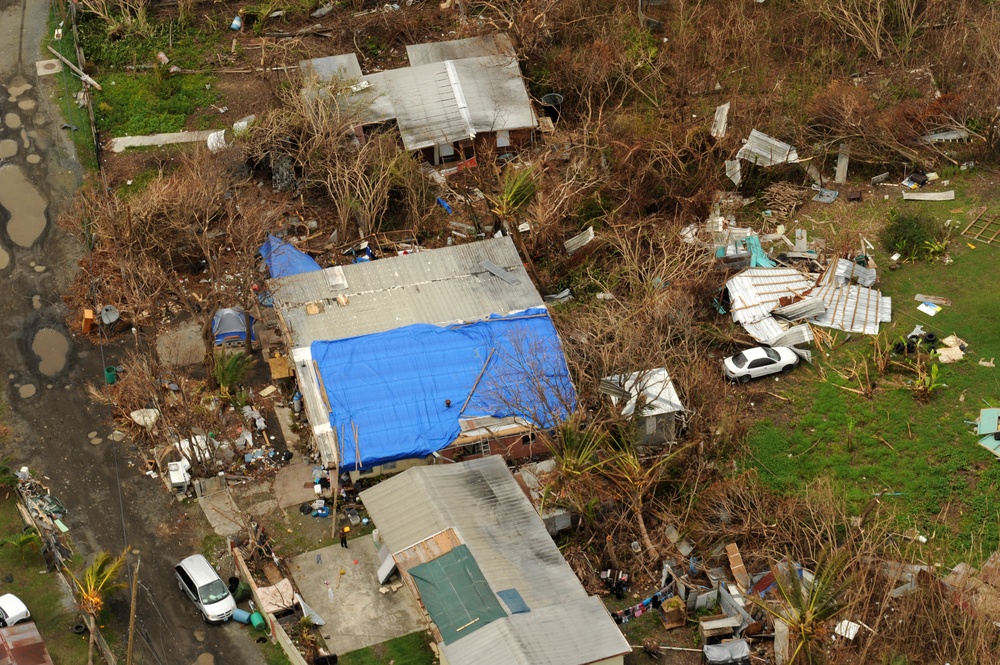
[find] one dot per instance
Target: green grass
(412, 649)
(41, 592)
(149, 103)
(149, 99)
(66, 85)
(273, 653)
(946, 484)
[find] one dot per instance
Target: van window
(185, 578)
(213, 592)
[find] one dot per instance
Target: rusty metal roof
(22, 645)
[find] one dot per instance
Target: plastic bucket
(552, 104)
(257, 621)
(241, 616)
(110, 375)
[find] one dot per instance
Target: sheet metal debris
(719, 124)
(764, 150)
(929, 196)
(577, 242)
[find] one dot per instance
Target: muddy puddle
(12, 120)
(8, 148)
(15, 90)
(27, 390)
(51, 347)
(25, 205)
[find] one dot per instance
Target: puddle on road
(205, 659)
(8, 148)
(4, 258)
(25, 205)
(27, 390)
(33, 159)
(26, 104)
(51, 347)
(16, 90)
(12, 120)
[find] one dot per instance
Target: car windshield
(213, 592)
(740, 360)
(772, 354)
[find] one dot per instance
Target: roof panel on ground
(457, 49)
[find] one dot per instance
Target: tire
(787, 368)
(930, 338)
(745, 378)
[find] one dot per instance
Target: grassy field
(921, 455)
(412, 649)
(42, 592)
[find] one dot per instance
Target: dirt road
(112, 504)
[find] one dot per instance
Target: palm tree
(99, 580)
(637, 479)
(26, 540)
(806, 606)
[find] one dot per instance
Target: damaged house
(468, 544)
(439, 354)
(456, 99)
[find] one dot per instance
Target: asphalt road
(112, 505)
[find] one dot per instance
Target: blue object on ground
(444, 204)
(241, 616)
(284, 260)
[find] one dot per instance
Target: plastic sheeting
(736, 652)
(393, 387)
(283, 259)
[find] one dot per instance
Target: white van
(198, 579)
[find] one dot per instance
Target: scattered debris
(763, 150)
(929, 308)
(578, 242)
(719, 125)
(937, 300)
(843, 159)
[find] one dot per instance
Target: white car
(12, 610)
(197, 578)
(759, 361)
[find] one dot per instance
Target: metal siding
(438, 286)
(457, 49)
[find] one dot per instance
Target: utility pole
(131, 614)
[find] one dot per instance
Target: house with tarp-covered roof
(440, 354)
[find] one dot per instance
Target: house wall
(617, 660)
(512, 447)
(391, 468)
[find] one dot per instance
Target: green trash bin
(110, 374)
(257, 621)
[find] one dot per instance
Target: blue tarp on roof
(283, 259)
(393, 385)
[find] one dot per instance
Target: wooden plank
(937, 300)
(995, 234)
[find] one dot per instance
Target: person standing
(343, 536)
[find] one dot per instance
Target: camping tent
(229, 325)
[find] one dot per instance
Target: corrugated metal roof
(764, 330)
(806, 308)
(754, 292)
(451, 92)
(497, 44)
(764, 150)
(852, 308)
(563, 635)
(659, 394)
(440, 286)
(847, 270)
(483, 503)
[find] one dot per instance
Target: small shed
(650, 396)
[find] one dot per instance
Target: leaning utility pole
(131, 614)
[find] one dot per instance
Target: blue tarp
(283, 259)
(393, 385)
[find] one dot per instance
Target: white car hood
(13, 609)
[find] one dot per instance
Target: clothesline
(653, 602)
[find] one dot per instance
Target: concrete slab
(181, 346)
(293, 485)
(121, 143)
(356, 614)
(222, 513)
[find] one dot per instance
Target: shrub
(911, 235)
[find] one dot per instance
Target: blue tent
(229, 326)
(283, 259)
(393, 386)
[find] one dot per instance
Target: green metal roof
(456, 595)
